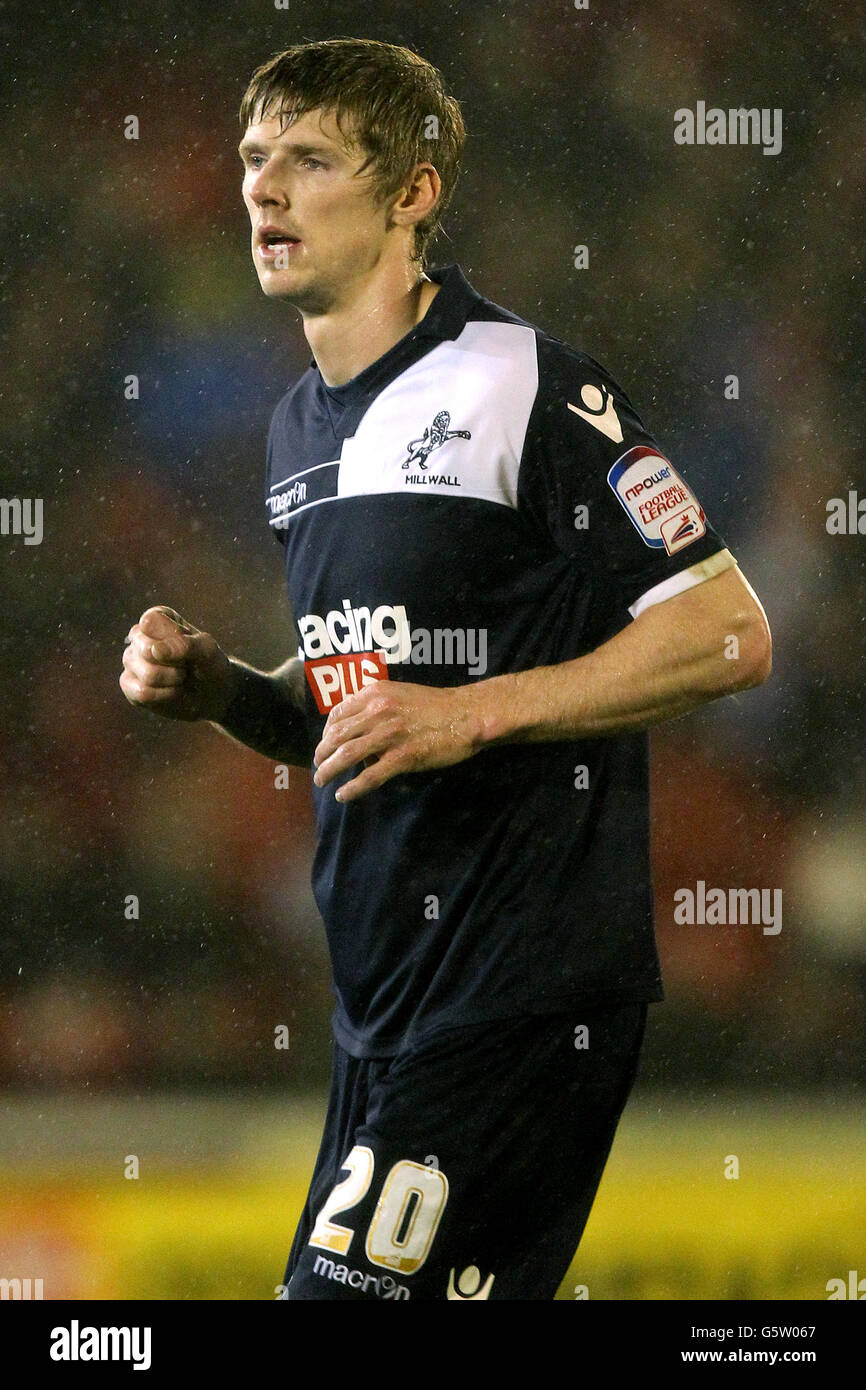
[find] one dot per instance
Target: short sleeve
(594, 484)
(272, 494)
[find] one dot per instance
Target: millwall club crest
(438, 433)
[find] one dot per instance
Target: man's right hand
(173, 669)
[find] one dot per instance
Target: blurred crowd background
(132, 257)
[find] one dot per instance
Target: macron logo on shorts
(468, 1287)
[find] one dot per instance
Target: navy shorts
(465, 1168)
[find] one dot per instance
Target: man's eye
(310, 160)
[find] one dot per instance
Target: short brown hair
(388, 92)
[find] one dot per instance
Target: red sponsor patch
(332, 678)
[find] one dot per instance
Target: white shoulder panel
(454, 423)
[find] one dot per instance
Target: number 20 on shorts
(406, 1218)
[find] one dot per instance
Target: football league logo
(682, 529)
(658, 503)
(419, 450)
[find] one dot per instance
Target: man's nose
(263, 189)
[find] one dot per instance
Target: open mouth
(272, 243)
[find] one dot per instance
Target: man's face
(299, 186)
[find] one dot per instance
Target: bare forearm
(641, 677)
(707, 641)
(265, 712)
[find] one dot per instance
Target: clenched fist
(173, 669)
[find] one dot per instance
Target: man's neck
(347, 340)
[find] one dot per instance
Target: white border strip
(686, 579)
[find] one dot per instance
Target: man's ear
(418, 197)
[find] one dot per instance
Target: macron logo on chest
(452, 424)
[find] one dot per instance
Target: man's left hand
(395, 727)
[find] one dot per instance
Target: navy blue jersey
(482, 499)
